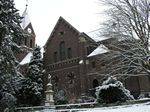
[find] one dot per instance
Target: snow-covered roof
(26, 59)
(99, 50)
(26, 20)
(95, 35)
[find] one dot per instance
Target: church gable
(66, 40)
(61, 28)
(63, 40)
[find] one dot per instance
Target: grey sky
(82, 14)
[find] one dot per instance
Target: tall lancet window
(25, 41)
(62, 50)
(31, 43)
(69, 52)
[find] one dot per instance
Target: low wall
(35, 109)
(67, 107)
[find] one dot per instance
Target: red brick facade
(65, 58)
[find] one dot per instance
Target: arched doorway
(95, 84)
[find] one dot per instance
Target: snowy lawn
(126, 108)
(142, 107)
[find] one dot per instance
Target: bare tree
(129, 23)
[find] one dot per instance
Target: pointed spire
(26, 20)
(26, 23)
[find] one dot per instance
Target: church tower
(29, 41)
(27, 26)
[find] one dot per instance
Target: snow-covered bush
(112, 91)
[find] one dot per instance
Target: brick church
(73, 59)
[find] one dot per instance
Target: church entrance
(95, 84)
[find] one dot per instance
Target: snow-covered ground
(125, 108)
(142, 107)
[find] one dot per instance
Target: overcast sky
(82, 14)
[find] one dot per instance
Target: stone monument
(49, 93)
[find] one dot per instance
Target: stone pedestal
(49, 94)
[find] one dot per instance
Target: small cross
(26, 3)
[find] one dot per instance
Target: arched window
(62, 50)
(31, 43)
(55, 56)
(93, 64)
(95, 84)
(25, 41)
(69, 52)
